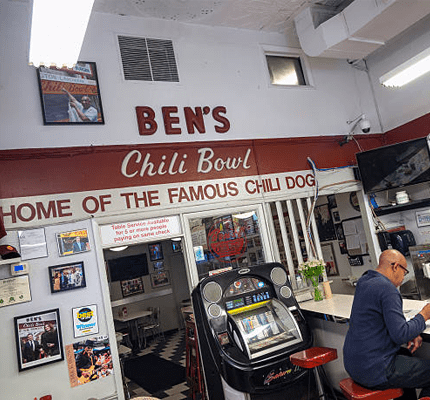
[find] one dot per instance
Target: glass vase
(317, 292)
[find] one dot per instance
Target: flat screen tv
(128, 267)
(394, 166)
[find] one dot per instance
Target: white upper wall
(217, 66)
(401, 105)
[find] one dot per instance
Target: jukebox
(248, 324)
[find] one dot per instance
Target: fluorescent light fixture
(245, 215)
(408, 71)
(119, 248)
(57, 31)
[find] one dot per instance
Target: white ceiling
(359, 28)
(261, 15)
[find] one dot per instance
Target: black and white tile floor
(171, 349)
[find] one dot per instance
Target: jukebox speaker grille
(285, 292)
(214, 310)
(212, 292)
(278, 276)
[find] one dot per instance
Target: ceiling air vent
(146, 59)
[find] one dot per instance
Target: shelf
(385, 210)
(10, 261)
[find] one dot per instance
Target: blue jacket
(377, 329)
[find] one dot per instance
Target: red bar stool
(353, 391)
(316, 357)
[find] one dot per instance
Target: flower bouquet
(312, 269)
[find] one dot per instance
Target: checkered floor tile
(172, 348)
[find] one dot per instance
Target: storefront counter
(329, 321)
(338, 309)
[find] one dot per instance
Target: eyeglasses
(402, 267)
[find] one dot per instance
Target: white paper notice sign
(147, 229)
(85, 320)
(32, 243)
(14, 291)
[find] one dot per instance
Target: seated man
(373, 355)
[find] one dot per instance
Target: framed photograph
(339, 232)
(325, 224)
(355, 261)
(336, 216)
(160, 278)
(38, 339)
(70, 95)
(331, 198)
(73, 242)
(67, 277)
(158, 266)
(176, 246)
(131, 287)
(155, 252)
(330, 261)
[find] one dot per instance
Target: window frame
(278, 51)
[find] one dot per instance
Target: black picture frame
(155, 252)
(56, 85)
(325, 223)
(158, 266)
(48, 344)
(66, 277)
(160, 278)
(176, 246)
(131, 287)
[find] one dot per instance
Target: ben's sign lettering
(195, 119)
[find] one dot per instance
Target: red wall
(32, 172)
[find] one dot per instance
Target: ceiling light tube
(57, 31)
(119, 248)
(408, 71)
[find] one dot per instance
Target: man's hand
(425, 312)
(415, 344)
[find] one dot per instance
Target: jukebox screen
(263, 330)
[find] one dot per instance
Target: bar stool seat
(315, 358)
(353, 391)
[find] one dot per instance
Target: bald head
(392, 264)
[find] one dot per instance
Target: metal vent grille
(145, 59)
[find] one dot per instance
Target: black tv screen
(128, 267)
(394, 166)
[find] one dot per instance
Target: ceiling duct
(359, 29)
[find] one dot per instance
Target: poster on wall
(73, 242)
(89, 360)
(85, 320)
(38, 339)
(330, 261)
(70, 95)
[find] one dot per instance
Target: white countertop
(132, 315)
(340, 306)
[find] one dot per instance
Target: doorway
(142, 277)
